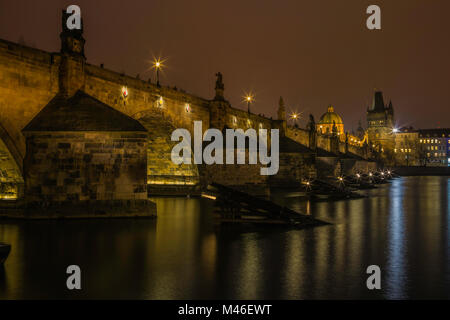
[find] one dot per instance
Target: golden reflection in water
(294, 258)
(250, 269)
(402, 227)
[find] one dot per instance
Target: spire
(378, 102)
(281, 110)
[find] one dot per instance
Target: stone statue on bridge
(311, 126)
(219, 87)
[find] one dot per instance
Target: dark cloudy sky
(313, 53)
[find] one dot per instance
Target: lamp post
(249, 99)
(157, 64)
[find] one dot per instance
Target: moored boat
(4, 252)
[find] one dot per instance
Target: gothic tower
(380, 123)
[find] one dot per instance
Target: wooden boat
(4, 252)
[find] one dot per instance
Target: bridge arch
(161, 171)
(11, 162)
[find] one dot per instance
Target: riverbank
(422, 171)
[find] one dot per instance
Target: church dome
(330, 116)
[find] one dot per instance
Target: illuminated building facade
(435, 146)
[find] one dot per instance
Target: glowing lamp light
(340, 179)
(358, 175)
(295, 116)
(389, 172)
(382, 173)
(370, 174)
(160, 102)
(395, 130)
(124, 92)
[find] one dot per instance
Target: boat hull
(4, 252)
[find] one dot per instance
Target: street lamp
(157, 64)
(249, 99)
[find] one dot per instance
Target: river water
(403, 227)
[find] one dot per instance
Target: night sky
(313, 53)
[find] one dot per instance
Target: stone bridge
(30, 78)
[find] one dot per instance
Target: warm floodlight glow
(395, 130)
(124, 92)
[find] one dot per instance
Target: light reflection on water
(402, 227)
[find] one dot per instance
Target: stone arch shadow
(161, 171)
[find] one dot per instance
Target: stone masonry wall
(85, 166)
(294, 168)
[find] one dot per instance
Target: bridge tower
(380, 123)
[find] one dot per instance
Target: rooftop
(81, 112)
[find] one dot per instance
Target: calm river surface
(403, 227)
